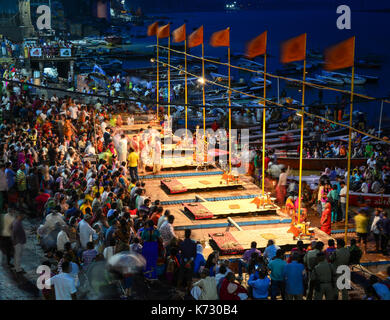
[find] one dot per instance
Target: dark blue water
(372, 31)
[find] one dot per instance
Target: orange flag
(179, 35)
(341, 55)
(294, 49)
(257, 47)
(163, 32)
(221, 38)
(152, 29)
(196, 38)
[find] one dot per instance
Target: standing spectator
(270, 251)
(88, 255)
(310, 260)
(343, 198)
(341, 257)
(6, 245)
(361, 225)
(375, 228)
(326, 219)
(294, 278)
(63, 283)
(323, 276)
(260, 285)
(244, 262)
(277, 275)
(188, 254)
(150, 236)
(18, 241)
(167, 231)
(133, 160)
(87, 233)
(385, 233)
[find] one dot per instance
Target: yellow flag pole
(185, 77)
(158, 80)
(350, 143)
(302, 130)
(264, 123)
(204, 100)
(230, 115)
(169, 80)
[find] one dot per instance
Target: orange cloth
(196, 38)
(152, 29)
(163, 32)
(294, 49)
(341, 55)
(220, 38)
(179, 35)
(257, 47)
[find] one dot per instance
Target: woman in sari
(326, 219)
(150, 236)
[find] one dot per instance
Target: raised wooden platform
(211, 209)
(236, 242)
(198, 183)
(182, 163)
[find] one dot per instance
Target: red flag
(196, 38)
(341, 55)
(163, 32)
(221, 38)
(179, 35)
(294, 49)
(257, 47)
(152, 29)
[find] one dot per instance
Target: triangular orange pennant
(257, 47)
(179, 35)
(163, 32)
(196, 38)
(340, 56)
(220, 38)
(294, 49)
(152, 29)
(294, 230)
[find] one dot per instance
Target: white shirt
(73, 112)
(62, 238)
(371, 163)
(343, 192)
(64, 285)
(86, 233)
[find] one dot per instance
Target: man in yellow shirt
(132, 162)
(361, 225)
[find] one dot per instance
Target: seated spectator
(205, 288)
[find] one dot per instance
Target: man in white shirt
(63, 283)
(371, 162)
(73, 112)
(62, 238)
(86, 231)
(343, 198)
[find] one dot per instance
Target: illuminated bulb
(201, 80)
(152, 60)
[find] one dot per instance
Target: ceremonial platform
(236, 242)
(218, 209)
(198, 183)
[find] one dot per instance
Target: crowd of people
(80, 180)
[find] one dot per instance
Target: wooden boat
(345, 77)
(259, 81)
(320, 164)
(331, 80)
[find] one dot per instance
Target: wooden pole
(230, 115)
(158, 80)
(349, 145)
(302, 131)
(169, 81)
(204, 100)
(186, 88)
(264, 124)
